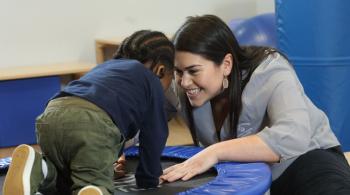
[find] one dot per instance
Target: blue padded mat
(233, 178)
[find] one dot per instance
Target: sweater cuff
(146, 182)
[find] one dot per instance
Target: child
(246, 104)
(84, 127)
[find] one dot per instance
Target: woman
(246, 104)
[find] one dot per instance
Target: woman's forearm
(246, 149)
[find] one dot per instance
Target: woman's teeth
(193, 91)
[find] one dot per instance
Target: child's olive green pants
(81, 141)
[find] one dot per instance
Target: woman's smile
(193, 93)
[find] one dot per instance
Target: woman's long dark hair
(211, 38)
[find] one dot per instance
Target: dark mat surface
(127, 185)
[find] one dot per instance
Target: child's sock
(44, 168)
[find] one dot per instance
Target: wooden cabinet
(24, 92)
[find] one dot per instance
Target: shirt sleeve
(288, 133)
(152, 139)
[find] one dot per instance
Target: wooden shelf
(21, 72)
(106, 48)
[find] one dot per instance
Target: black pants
(316, 172)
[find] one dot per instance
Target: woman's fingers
(188, 169)
(181, 171)
(161, 181)
(174, 175)
(193, 166)
(169, 169)
(171, 173)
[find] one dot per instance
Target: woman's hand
(119, 167)
(195, 165)
(246, 149)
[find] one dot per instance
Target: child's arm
(152, 139)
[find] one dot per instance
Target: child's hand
(197, 164)
(119, 167)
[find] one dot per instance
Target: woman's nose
(186, 81)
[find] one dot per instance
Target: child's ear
(160, 70)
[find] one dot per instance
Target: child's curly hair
(148, 46)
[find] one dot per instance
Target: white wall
(52, 31)
(265, 6)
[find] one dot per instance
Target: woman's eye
(192, 71)
(178, 72)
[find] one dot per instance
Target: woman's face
(201, 79)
